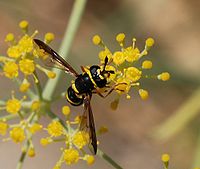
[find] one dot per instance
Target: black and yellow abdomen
(82, 85)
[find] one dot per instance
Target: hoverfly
(81, 90)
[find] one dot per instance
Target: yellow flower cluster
(22, 56)
(74, 140)
(26, 127)
(129, 65)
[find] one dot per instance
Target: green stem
(23, 155)
(38, 87)
(187, 112)
(108, 159)
(9, 117)
(71, 30)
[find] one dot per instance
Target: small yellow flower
(118, 58)
(3, 128)
(17, 134)
(149, 42)
(71, 156)
(23, 24)
(165, 158)
(24, 86)
(10, 37)
(55, 129)
(147, 64)
(120, 37)
(90, 159)
(143, 94)
(35, 128)
(80, 139)
(13, 106)
(133, 74)
(104, 53)
(26, 44)
(14, 52)
(96, 39)
(49, 37)
(45, 141)
(35, 106)
(27, 66)
(31, 152)
(51, 74)
(164, 76)
(66, 110)
(10, 69)
(131, 54)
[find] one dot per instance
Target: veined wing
(87, 123)
(55, 58)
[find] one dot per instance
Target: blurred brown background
(175, 27)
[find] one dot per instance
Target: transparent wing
(87, 123)
(55, 59)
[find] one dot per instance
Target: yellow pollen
(25, 44)
(71, 156)
(13, 106)
(24, 86)
(143, 94)
(14, 52)
(49, 37)
(120, 37)
(23, 24)
(118, 58)
(35, 128)
(10, 37)
(80, 139)
(31, 152)
(51, 74)
(10, 69)
(165, 158)
(35, 106)
(55, 129)
(66, 110)
(164, 76)
(17, 135)
(96, 39)
(27, 66)
(45, 141)
(133, 74)
(147, 64)
(149, 42)
(131, 54)
(90, 159)
(3, 128)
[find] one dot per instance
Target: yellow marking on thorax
(92, 80)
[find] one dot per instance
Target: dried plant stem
(71, 30)
(187, 112)
(196, 162)
(108, 159)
